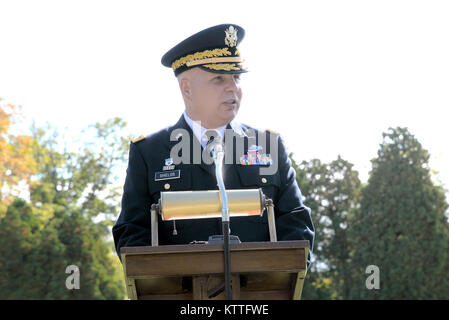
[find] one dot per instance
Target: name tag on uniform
(175, 174)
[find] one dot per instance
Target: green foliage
(29, 249)
(317, 287)
(66, 221)
(331, 191)
(401, 226)
(16, 162)
(92, 255)
(398, 222)
(82, 177)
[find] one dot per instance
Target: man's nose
(232, 85)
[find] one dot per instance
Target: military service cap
(213, 49)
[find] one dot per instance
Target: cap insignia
(231, 36)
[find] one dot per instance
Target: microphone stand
(218, 155)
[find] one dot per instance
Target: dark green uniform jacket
(146, 157)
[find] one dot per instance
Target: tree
(83, 177)
(331, 191)
(79, 186)
(16, 161)
(66, 221)
(100, 276)
(401, 226)
(19, 235)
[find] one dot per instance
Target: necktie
(209, 136)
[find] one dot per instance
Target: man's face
(213, 98)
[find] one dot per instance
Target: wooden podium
(260, 270)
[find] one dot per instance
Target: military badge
(231, 36)
(255, 158)
(168, 165)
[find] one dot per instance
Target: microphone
(216, 148)
(217, 153)
(214, 143)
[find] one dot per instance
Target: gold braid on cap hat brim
(225, 66)
(206, 57)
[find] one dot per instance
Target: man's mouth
(230, 103)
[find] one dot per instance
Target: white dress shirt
(199, 130)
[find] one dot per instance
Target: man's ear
(185, 86)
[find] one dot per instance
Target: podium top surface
(214, 247)
(267, 270)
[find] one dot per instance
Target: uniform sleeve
(293, 218)
(132, 227)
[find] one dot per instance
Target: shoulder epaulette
(138, 139)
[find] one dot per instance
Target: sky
(329, 76)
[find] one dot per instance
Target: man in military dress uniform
(208, 67)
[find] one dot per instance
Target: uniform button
(167, 186)
(264, 180)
